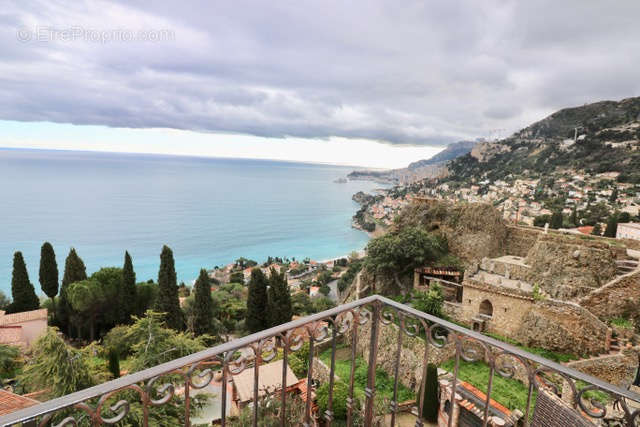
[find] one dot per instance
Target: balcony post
(370, 391)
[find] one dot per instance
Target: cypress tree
(612, 226)
(280, 307)
(74, 271)
(431, 404)
(168, 301)
(49, 272)
(556, 220)
(24, 295)
(257, 303)
(574, 216)
(129, 291)
(203, 321)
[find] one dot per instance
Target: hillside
(594, 138)
(433, 167)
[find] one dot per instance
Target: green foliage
(114, 364)
(321, 303)
(56, 366)
(257, 302)
(146, 296)
(129, 291)
(507, 391)
(4, 301)
(429, 302)
(396, 254)
(347, 278)
(597, 230)
(119, 341)
(236, 277)
(243, 263)
(167, 300)
(301, 304)
(612, 226)
(9, 360)
(325, 290)
(556, 220)
(230, 305)
(203, 308)
(48, 271)
(74, 271)
(154, 343)
(280, 306)
(22, 291)
(89, 300)
(537, 294)
(340, 396)
(622, 323)
(431, 400)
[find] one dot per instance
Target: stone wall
(520, 240)
(618, 369)
(411, 355)
(508, 306)
(321, 371)
(616, 297)
(551, 324)
(564, 327)
(568, 269)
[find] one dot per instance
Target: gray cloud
(424, 73)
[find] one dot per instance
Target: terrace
(553, 394)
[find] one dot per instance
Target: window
(486, 308)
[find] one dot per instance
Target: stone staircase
(625, 266)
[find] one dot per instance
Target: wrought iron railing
(154, 387)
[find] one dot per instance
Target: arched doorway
(486, 308)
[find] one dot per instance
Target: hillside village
(551, 167)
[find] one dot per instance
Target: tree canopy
(257, 302)
(280, 307)
(22, 290)
(202, 311)
(168, 300)
(48, 271)
(396, 254)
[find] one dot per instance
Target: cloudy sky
(376, 83)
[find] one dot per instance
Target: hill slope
(595, 138)
(429, 168)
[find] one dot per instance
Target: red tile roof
(10, 402)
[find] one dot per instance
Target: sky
(371, 83)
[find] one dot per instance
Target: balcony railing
(154, 387)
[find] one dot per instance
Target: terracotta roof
(587, 229)
(10, 402)
(25, 316)
(269, 377)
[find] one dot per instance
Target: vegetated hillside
(433, 167)
(595, 138)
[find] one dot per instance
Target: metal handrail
(377, 306)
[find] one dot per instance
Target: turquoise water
(209, 211)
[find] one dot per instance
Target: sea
(209, 211)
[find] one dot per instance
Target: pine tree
(612, 226)
(49, 272)
(129, 291)
(202, 321)
(22, 291)
(431, 404)
(614, 195)
(257, 303)
(597, 230)
(280, 306)
(74, 271)
(168, 301)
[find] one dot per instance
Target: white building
(629, 230)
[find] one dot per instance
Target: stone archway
(486, 308)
